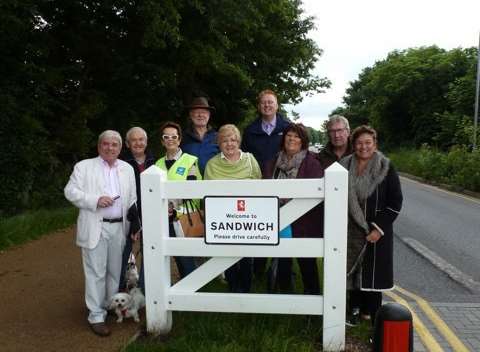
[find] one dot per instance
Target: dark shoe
(353, 318)
(100, 329)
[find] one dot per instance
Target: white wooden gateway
(162, 298)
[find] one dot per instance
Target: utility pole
(475, 118)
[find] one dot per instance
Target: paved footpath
(449, 326)
(464, 320)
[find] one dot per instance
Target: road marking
(442, 327)
(472, 199)
(428, 340)
(452, 271)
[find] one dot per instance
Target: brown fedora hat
(200, 103)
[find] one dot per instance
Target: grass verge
(220, 332)
(232, 332)
(202, 332)
(31, 225)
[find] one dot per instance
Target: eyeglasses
(340, 130)
(167, 137)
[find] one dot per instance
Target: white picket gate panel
(162, 298)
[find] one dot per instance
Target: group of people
(106, 189)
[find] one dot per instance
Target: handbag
(192, 221)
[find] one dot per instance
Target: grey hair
(110, 134)
(338, 118)
(227, 130)
(134, 129)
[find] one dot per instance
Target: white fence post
(334, 264)
(156, 264)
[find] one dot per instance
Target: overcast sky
(355, 34)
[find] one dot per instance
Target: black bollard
(393, 329)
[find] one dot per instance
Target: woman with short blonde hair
(227, 130)
(234, 164)
(231, 162)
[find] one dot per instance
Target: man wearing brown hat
(200, 139)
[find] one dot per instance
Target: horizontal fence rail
(306, 188)
(288, 248)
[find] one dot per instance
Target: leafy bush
(464, 168)
(458, 167)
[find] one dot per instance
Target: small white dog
(131, 276)
(127, 305)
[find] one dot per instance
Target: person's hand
(135, 236)
(373, 236)
(104, 202)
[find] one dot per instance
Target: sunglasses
(166, 137)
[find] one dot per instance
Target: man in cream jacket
(103, 188)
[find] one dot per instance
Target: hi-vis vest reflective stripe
(179, 170)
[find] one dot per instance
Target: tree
(71, 69)
(414, 96)
(315, 136)
(295, 116)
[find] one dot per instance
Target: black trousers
(259, 264)
(368, 301)
(308, 269)
(239, 276)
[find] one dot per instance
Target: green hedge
(458, 167)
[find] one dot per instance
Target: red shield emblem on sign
(240, 205)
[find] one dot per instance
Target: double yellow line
(428, 340)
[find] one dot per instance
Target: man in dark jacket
(262, 138)
(338, 146)
(137, 156)
(199, 138)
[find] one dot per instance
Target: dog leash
(131, 258)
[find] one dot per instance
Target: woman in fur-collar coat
(374, 202)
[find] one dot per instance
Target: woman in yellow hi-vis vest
(180, 167)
